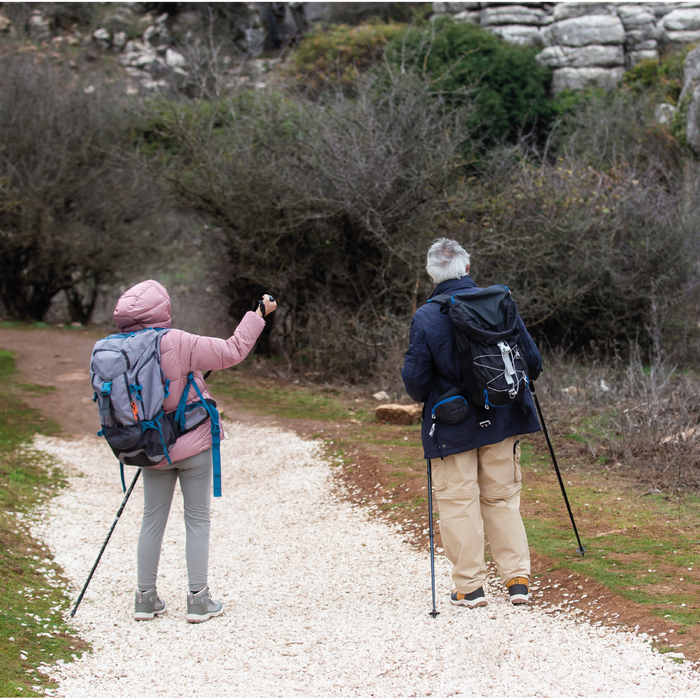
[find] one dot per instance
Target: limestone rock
(175, 59)
(582, 57)
(119, 40)
(519, 34)
(664, 113)
(570, 10)
(585, 31)
(381, 396)
(692, 127)
(635, 57)
(635, 17)
(398, 414)
(691, 73)
(454, 8)
(643, 40)
(581, 78)
(468, 16)
(137, 55)
(39, 27)
(5, 23)
(512, 14)
(684, 37)
(102, 37)
(682, 20)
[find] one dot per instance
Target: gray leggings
(195, 474)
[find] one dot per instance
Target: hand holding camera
(265, 306)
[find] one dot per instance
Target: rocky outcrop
(585, 43)
(690, 97)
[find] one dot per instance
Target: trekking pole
(433, 613)
(580, 549)
(114, 524)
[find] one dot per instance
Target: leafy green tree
(466, 62)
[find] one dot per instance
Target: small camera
(260, 304)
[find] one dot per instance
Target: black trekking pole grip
(433, 613)
(104, 546)
(580, 549)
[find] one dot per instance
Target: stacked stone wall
(585, 43)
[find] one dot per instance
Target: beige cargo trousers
(477, 490)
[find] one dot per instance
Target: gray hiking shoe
(201, 606)
(148, 605)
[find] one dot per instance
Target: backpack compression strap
(215, 428)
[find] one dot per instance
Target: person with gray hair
(475, 466)
(447, 260)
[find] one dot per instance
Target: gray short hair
(447, 260)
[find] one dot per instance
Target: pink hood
(145, 305)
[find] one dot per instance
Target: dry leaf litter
(321, 599)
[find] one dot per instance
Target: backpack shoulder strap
(444, 301)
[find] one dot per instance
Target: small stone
(101, 35)
(381, 396)
(175, 59)
(119, 40)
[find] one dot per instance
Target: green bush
(664, 78)
(337, 56)
(465, 62)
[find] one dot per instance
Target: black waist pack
(451, 407)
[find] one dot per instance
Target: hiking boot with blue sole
(475, 599)
(518, 590)
(202, 607)
(148, 605)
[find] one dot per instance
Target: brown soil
(60, 358)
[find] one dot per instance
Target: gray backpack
(129, 390)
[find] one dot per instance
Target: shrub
(580, 248)
(337, 56)
(72, 211)
(617, 130)
(328, 204)
(663, 78)
(465, 62)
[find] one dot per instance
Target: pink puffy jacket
(147, 305)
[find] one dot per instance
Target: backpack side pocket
(451, 407)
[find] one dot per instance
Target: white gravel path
(320, 599)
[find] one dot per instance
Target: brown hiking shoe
(518, 590)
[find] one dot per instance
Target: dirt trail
(60, 359)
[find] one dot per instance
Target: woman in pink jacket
(148, 305)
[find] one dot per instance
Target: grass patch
(320, 403)
(32, 601)
(643, 548)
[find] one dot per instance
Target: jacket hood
(145, 305)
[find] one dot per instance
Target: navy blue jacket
(431, 352)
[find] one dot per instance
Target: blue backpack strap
(155, 424)
(180, 412)
(104, 400)
(215, 435)
(121, 473)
